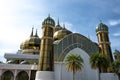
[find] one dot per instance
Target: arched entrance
(73, 41)
(87, 73)
(22, 76)
(7, 75)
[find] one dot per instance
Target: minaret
(46, 58)
(36, 35)
(103, 40)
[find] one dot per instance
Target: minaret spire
(89, 36)
(32, 32)
(63, 26)
(49, 15)
(58, 22)
(100, 21)
(36, 35)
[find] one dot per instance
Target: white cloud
(2, 59)
(114, 22)
(69, 26)
(117, 10)
(116, 34)
(15, 27)
(115, 43)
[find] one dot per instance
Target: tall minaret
(103, 40)
(46, 58)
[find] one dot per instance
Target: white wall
(109, 76)
(86, 74)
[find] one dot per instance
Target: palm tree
(116, 67)
(99, 61)
(73, 63)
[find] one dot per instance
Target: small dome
(24, 62)
(11, 62)
(101, 27)
(58, 35)
(49, 21)
(116, 54)
(116, 51)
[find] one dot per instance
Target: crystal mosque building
(44, 58)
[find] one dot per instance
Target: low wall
(109, 76)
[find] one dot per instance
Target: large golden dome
(58, 35)
(32, 43)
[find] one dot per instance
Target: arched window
(7, 75)
(22, 76)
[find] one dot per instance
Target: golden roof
(32, 43)
(58, 35)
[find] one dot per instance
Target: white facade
(16, 69)
(85, 74)
(109, 76)
(78, 45)
(60, 71)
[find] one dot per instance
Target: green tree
(116, 67)
(73, 63)
(99, 61)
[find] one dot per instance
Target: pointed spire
(36, 35)
(89, 36)
(100, 21)
(32, 32)
(58, 22)
(49, 15)
(63, 26)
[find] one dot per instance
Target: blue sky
(17, 17)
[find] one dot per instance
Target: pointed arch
(72, 41)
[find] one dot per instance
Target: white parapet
(44, 75)
(109, 76)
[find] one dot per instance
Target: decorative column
(15, 74)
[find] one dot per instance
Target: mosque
(43, 57)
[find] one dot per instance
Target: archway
(7, 75)
(22, 76)
(73, 41)
(87, 72)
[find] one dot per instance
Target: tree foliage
(116, 67)
(73, 63)
(100, 61)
